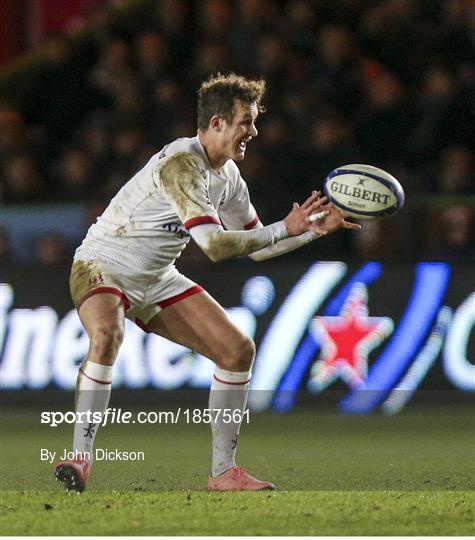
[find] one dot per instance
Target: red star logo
(346, 341)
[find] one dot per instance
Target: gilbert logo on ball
(364, 191)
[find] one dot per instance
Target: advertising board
(379, 331)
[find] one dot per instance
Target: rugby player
(125, 267)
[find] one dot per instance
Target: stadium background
(89, 90)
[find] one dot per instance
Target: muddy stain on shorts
(85, 277)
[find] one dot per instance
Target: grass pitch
(201, 513)
(412, 474)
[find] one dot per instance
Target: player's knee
(106, 340)
(242, 357)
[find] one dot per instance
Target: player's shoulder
(180, 156)
(178, 161)
(181, 146)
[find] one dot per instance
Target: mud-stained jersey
(146, 225)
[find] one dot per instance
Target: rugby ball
(364, 191)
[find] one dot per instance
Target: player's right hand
(299, 219)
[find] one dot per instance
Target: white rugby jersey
(145, 228)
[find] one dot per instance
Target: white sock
(228, 391)
(93, 390)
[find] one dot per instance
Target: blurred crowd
(385, 82)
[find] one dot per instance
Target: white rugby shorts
(142, 297)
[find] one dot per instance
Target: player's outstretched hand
(298, 221)
(318, 215)
(332, 219)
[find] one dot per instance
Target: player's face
(236, 135)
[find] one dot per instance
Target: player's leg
(102, 316)
(200, 323)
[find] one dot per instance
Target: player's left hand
(332, 220)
